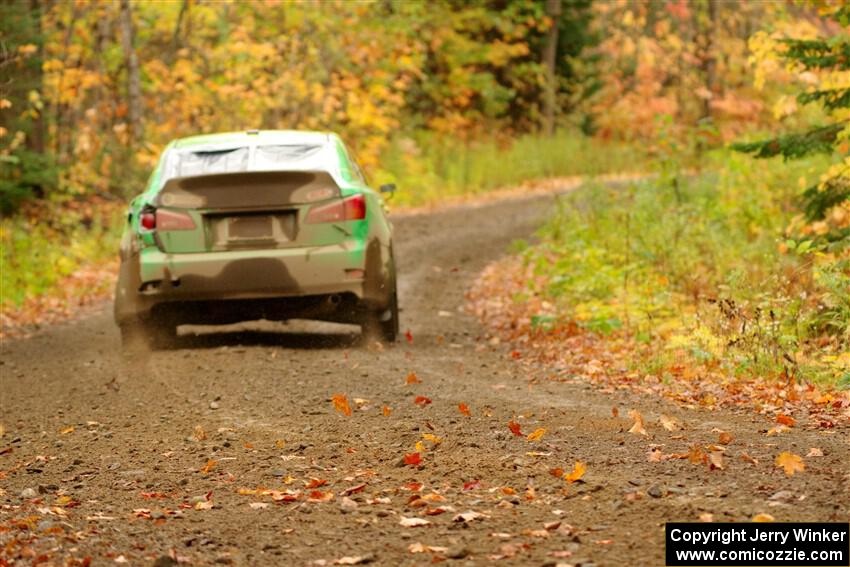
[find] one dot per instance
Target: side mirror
(388, 188)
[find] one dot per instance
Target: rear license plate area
(250, 227)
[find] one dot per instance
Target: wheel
(383, 325)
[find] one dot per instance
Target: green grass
(428, 170)
(37, 251)
(681, 261)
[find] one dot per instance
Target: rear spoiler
(247, 189)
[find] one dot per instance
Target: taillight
(352, 208)
(164, 220)
(171, 220)
(147, 221)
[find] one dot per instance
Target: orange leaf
(786, 420)
(413, 379)
(209, 466)
(578, 471)
(409, 336)
(422, 401)
(413, 459)
(558, 472)
(387, 410)
(724, 438)
(319, 496)
(341, 404)
(515, 428)
(536, 434)
(463, 408)
(790, 462)
(315, 483)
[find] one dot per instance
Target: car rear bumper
(153, 278)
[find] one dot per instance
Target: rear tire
(383, 325)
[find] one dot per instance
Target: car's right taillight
(352, 208)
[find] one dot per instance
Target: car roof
(258, 137)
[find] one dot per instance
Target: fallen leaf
(469, 516)
(578, 471)
(696, 455)
(66, 430)
(790, 462)
(749, 459)
(515, 428)
(420, 447)
(715, 460)
(413, 379)
(814, 452)
(319, 496)
(668, 423)
(315, 483)
(258, 505)
(472, 485)
(209, 466)
(637, 427)
(557, 472)
(413, 522)
(763, 518)
(419, 547)
(464, 409)
(204, 505)
(706, 517)
(421, 401)
(354, 560)
(353, 490)
(341, 404)
(724, 438)
(432, 438)
(387, 410)
(409, 336)
(777, 430)
(413, 459)
(786, 420)
(199, 434)
(536, 434)
(280, 443)
(615, 411)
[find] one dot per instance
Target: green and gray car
(256, 225)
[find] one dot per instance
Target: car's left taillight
(352, 208)
(165, 220)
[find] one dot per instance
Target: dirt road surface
(164, 460)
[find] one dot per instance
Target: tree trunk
(134, 87)
(708, 57)
(550, 53)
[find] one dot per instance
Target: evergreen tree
(829, 54)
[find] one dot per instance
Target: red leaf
(409, 336)
(422, 401)
(786, 420)
(413, 459)
(515, 428)
(464, 409)
(472, 485)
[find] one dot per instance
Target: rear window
(191, 163)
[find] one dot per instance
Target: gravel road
(227, 449)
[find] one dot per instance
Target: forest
(739, 110)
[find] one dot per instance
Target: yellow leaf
(578, 471)
(67, 430)
(790, 462)
(763, 518)
(536, 434)
(432, 438)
